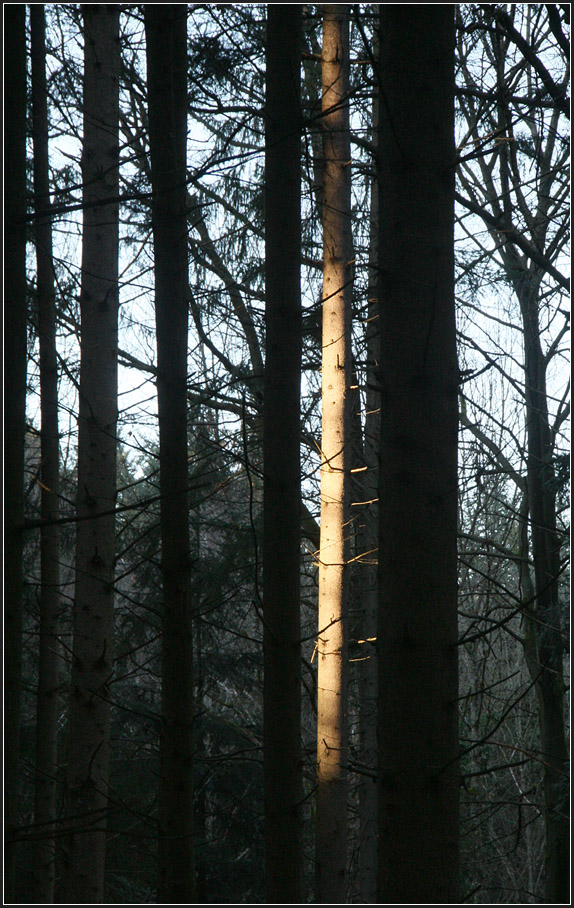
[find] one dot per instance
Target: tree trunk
(417, 633)
(92, 666)
(547, 624)
(14, 412)
(49, 657)
(281, 456)
(332, 744)
(166, 42)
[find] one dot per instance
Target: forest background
(149, 769)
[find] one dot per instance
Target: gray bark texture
(92, 664)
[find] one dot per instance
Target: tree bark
(92, 665)
(417, 632)
(49, 656)
(332, 642)
(282, 759)
(14, 413)
(547, 623)
(166, 43)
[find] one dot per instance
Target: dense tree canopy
(286, 298)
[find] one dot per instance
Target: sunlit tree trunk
(417, 632)
(92, 665)
(14, 411)
(166, 43)
(49, 659)
(282, 759)
(332, 745)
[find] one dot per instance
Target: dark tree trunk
(417, 632)
(166, 42)
(546, 624)
(281, 455)
(14, 411)
(49, 657)
(92, 665)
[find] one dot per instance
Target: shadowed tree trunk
(92, 665)
(332, 724)
(14, 411)
(548, 670)
(166, 37)
(417, 632)
(281, 455)
(49, 658)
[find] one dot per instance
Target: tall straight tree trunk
(166, 43)
(49, 658)
(332, 745)
(14, 412)
(281, 455)
(92, 665)
(417, 633)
